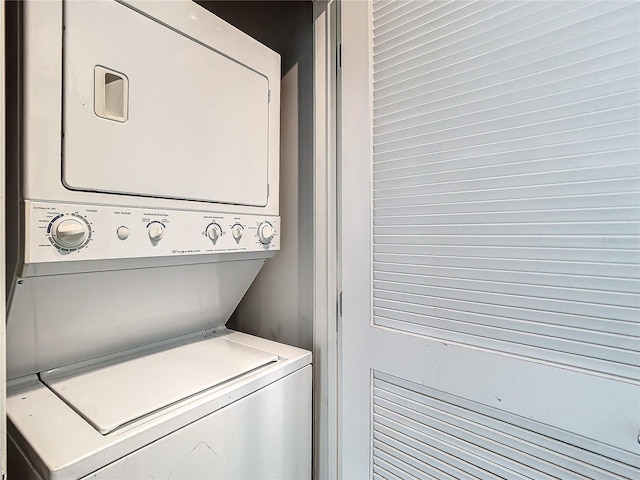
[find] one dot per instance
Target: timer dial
(265, 232)
(69, 232)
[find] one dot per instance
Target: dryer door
(149, 111)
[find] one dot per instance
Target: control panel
(67, 232)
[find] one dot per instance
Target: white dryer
(148, 202)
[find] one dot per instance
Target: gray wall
(279, 304)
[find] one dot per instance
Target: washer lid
(111, 395)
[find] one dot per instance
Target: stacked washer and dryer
(148, 172)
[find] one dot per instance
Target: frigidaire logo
(177, 252)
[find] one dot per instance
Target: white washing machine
(148, 202)
(214, 405)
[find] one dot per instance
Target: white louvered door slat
(490, 205)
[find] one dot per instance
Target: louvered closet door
(489, 162)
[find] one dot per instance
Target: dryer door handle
(111, 94)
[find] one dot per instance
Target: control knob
(214, 232)
(156, 231)
(236, 232)
(69, 233)
(265, 232)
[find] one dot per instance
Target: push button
(123, 233)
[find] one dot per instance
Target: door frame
(3, 309)
(325, 211)
(354, 190)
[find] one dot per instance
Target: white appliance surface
(179, 157)
(189, 134)
(109, 395)
(58, 320)
(266, 435)
(256, 425)
(183, 233)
